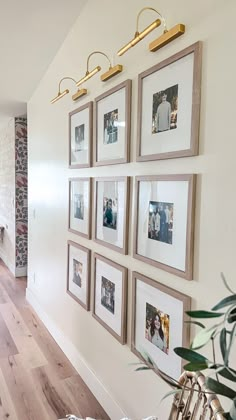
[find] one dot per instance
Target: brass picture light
(77, 95)
(165, 38)
(112, 71)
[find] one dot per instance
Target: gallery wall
(101, 360)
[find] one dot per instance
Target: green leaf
(226, 372)
(195, 367)
(190, 355)
(175, 391)
(232, 336)
(226, 284)
(223, 345)
(142, 368)
(233, 410)
(229, 300)
(203, 337)
(232, 316)
(204, 314)
(219, 388)
(199, 324)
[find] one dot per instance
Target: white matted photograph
(110, 296)
(158, 315)
(78, 273)
(79, 221)
(169, 107)
(80, 136)
(164, 222)
(112, 128)
(111, 215)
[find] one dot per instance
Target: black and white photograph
(164, 110)
(110, 212)
(169, 107)
(108, 294)
(79, 206)
(77, 272)
(79, 138)
(111, 127)
(157, 327)
(160, 226)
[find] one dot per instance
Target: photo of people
(111, 127)
(108, 294)
(79, 138)
(164, 110)
(157, 328)
(79, 206)
(160, 222)
(77, 272)
(110, 212)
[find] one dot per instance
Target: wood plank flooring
(37, 381)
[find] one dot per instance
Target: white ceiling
(31, 33)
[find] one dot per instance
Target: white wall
(106, 27)
(7, 193)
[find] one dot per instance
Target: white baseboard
(21, 272)
(113, 410)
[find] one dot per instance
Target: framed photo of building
(78, 273)
(80, 206)
(164, 222)
(158, 323)
(112, 125)
(111, 212)
(110, 296)
(80, 136)
(169, 107)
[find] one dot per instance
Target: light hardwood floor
(37, 381)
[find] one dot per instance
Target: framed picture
(110, 296)
(80, 206)
(158, 323)
(80, 136)
(169, 107)
(78, 273)
(112, 125)
(111, 212)
(164, 222)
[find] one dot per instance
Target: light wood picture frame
(164, 222)
(112, 125)
(79, 217)
(169, 107)
(159, 323)
(110, 296)
(78, 273)
(111, 198)
(80, 136)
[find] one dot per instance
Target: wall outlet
(34, 278)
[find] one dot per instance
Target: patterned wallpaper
(21, 198)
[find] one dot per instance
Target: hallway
(37, 382)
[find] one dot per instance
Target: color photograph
(110, 212)
(164, 110)
(160, 225)
(157, 328)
